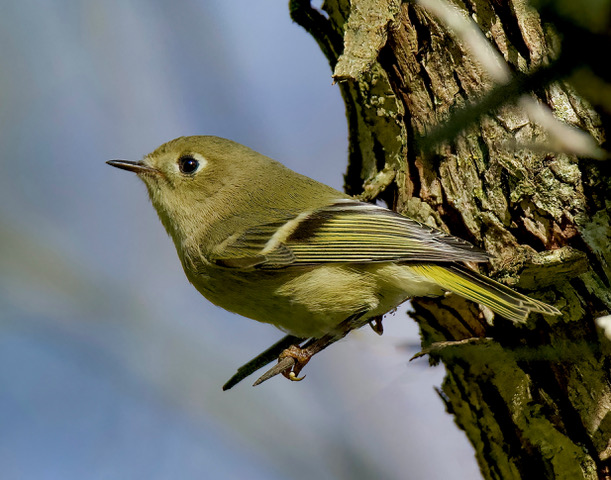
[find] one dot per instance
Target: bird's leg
(294, 358)
(262, 359)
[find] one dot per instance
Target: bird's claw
(294, 378)
(301, 356)
(292, 359)
(290, 362)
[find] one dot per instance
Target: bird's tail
(480, 289)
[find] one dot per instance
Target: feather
(346, 231)
(483, 290)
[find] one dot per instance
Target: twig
(437, 347)
(313, 346)
(284, 364)
(262, 359)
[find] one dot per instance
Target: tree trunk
(533, 399)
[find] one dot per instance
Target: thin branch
(314, 346)
(262, 359)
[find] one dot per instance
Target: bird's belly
(308, 301)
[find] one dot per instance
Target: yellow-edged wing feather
(345, 232)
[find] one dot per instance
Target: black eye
(187, 164)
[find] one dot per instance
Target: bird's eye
(187, 164)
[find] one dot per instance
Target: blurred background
(111, 364)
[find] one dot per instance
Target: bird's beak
(136, 167)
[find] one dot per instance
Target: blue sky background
(111, 364)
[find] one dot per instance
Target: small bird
(262, 241)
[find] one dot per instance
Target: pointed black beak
(136, 167)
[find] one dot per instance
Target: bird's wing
(347, 231)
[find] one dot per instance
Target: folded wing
(347, 231)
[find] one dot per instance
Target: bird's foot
(301, 356)
(293, 358)
(262, 359)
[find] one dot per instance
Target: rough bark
(533, 399)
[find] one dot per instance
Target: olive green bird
(260, 240)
